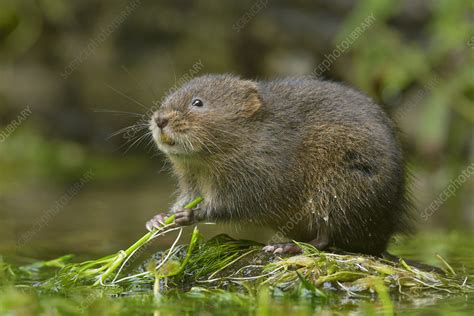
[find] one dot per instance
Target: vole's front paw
(185, 217)
(157, 221)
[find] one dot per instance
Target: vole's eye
(197, 102)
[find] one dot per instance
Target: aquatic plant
(100, 270)
(236, 272)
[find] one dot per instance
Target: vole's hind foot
(157, 221)
(321, 243)
(285, 248)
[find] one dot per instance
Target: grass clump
(240, 265)
(226, 270)
(223, 262)
(101, 270)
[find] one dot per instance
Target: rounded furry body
(305, 157)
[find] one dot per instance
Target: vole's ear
(252, 100)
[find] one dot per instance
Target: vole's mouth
(166, 139)
(167, 143)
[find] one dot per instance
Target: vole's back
(346, 171)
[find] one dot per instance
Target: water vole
(271, 152)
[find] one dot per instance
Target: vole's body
(314, 160)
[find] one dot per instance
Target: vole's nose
(161, 121)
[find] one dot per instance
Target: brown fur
(265, 151)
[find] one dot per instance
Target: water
(102, 218)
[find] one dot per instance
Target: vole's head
(206, 115)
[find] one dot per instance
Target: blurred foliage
(35, 160)
(416, 60)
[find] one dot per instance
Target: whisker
(207, 139)
(190, 143)
(202, 143)
(227, 132)
(131, 142)
(138, 83)
(124, 129)
(118, 112)
(151, 144)
(137, 141)
(128, 97)
(213, 143)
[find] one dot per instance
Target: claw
(269, 248)
(156, 222)
(278, 250)
(288, 248)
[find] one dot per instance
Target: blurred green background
(73, 67)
